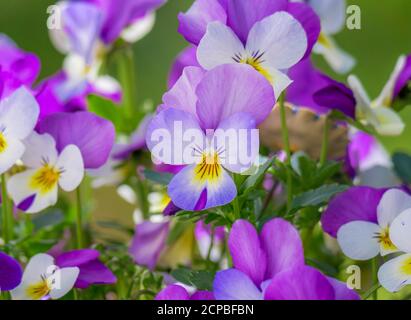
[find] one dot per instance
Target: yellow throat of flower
(39, 290)
(3, 143)
(256, 64)
(385, 241)
(45, 179)
(209, 169)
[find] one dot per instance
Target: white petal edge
(65, 280)
(400, 231)
(390, 275)
(392, 203)
(39, 148)
(70, 162)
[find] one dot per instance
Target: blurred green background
(385, 34)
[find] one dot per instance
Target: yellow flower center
(406, 266)
(3, 143)
(38, 290)
(209, 169)
(45, 179)
(324, 41)
(385, 241)
(256, 64)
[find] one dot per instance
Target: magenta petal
(246, 251)
(230, 89)
(173, 292)
(76, 257)
(94, 136)
(282, 244)
(341, 291)
(403, 78)
(10, 272)
(193, 23)
(357, 203)
(233, 284)
(148, 242)
(302, 283)
(186, 58)
(202, 295)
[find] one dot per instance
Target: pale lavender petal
(302, 283)
(232, 284)
(10, 272)
(148, 242)
(247, 254)
(341, 291)
(193, 23)
(282, 243)
(94, 136)
(173, 292)
(355, 204)
(186, 58)
(230, 89)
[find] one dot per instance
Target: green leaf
(402, 165)
(316, 197)
(256, 178)
(162, 178)
(105, 109)
(202, 280)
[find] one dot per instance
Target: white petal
(64, 281)
(385, 98)
(331, 13)
(392, 203)
(13, 151)
(400, 231)
(75, 67)
(39, 148)
(280, 37)
(19, 113)
(38, 266)
(357, 240)
(279, 80)
(139, 29)
(107, 85)
(360, 94)
(389, 123)
(396, 273)
(71, 165)
(219, 46)
(339, 60)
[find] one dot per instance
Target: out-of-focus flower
(229, 97)
(176, 292)
(17, 68)
(92, 270)
(42, 279)
(365, 234)
(18, 117)
(274, 44)
(383, 119)
(186, 58)
(94, 136)
(206, 236)
(332, 14)
(10, 272)
(36, 188)
(271, 266)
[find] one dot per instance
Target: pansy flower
(271, 36)
(207, 106)
(43, 280)
(92, 270)
(18, 117)
(207, 236)
(10, 272)
(362, 227)
(332, 14)
(270, 266)
(177, 292)
(36, 188)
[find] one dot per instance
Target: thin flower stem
(142, 197)
(79, 216)
(325, 142)
(286, 141)
(210, 248)
(4, 209)
(371, 292)
(374, 268)
(236, 208)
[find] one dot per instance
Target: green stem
(79, 218)
(4, 209)
(210, 248)
(325, 142)
(126, 69)
(236, 208)
(374, 269)
(286, 141)
(142, 197)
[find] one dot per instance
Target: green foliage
(402, 165)
(202, 280)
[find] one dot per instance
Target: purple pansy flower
(185, 58)
(177, 292)
(94, 136)
(92, 270)
(10, 272)
(313, 89)
(207, 105)
(148, 242)
(270, 265)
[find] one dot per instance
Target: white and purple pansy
(199, 114)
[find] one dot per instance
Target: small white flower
(18, 117)
(36, 188)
